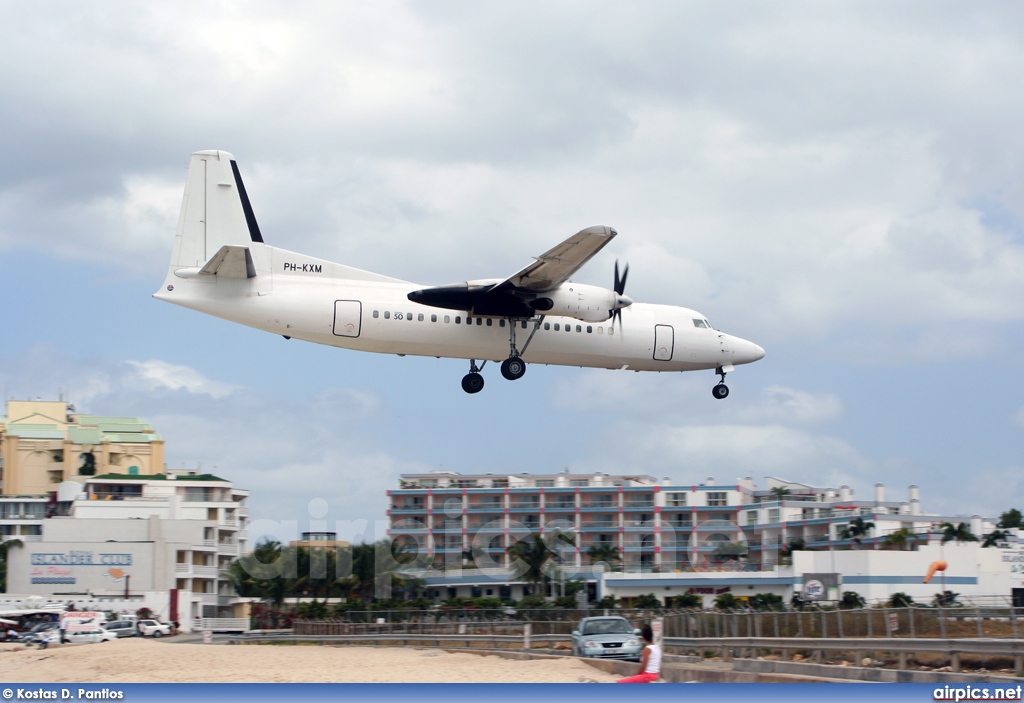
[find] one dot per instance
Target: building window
(751, 517)
(197, 494)
(675, 500)
(579, 482)
(545, 483)
(717, 499)
(773, 515)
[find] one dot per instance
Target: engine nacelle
(580, 301)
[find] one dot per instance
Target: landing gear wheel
(513, 368)
(472, 382)
(720, 391)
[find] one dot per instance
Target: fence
(868, 623)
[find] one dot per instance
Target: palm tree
(779, 492)
(5, 546)
(995, 538)
(899, 539)
(605, 552)
(856, 529)
(960, 532)
(534, 553)
(530, 555)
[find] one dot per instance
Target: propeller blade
(620, 289)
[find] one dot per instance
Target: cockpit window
(701, 323)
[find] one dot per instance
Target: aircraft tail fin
(215, 211)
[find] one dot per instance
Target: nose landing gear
(721, 391)
(473, 382)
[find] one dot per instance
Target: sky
(839, 182)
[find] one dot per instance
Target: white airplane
(220, 266)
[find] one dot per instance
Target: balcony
(227, 548)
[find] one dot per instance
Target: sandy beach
(146, 661)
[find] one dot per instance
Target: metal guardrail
(523, 641)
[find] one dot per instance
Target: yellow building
(43, 444)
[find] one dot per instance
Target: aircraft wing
(557, 265)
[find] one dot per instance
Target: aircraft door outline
(348, 315)
(664, 342)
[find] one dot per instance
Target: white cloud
(158, 374)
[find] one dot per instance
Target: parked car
(122, 628)
(89, 636)
(152, 628)
(609, 637)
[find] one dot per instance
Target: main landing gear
(512, 368)
(720, 391)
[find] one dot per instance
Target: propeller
(620, 288)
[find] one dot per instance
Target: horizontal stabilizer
(230, 262)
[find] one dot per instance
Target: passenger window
(611, 331)
(458, 320)
(558, 327)
(433, 318)
(420, 317)
(387, 315)
(579, 328)
(489, 322)
(524, 324)
(501, 323)
(589, 329)
(547, 325)
(600, 330)
(447, 319)
(568, 328)
(479, 321)
(375, 314)
(409, 317)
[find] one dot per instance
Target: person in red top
(650, 660)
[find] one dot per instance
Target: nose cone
(624, 301)
(746, 352)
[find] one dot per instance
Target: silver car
(609, 637)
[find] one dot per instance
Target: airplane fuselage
(313, 300)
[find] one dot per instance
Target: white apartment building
(161, 540)
(657, 527)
